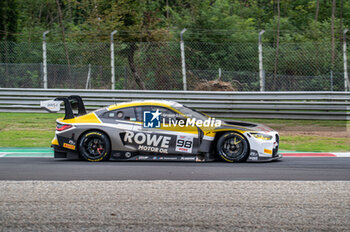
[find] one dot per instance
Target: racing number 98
(183, 143)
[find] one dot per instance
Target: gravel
(174, 206)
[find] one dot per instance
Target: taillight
(62, 127)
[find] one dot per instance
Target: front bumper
(264, 150)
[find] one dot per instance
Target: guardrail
(284, 105)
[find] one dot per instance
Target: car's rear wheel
(232, 147)
(94, 146)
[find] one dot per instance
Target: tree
(8, 28)
(317, 9)
(136, 21)
(8, 19)
(60, 20)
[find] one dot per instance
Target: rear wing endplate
(54, 106)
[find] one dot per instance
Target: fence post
(346, 79)
(331, 77)
(112, 60)
(88, 77)
(261, 68)
(125, 77)
(41, 76)
(182, 46)
(44, 60)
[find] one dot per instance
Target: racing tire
(95, 146)
(232, 147)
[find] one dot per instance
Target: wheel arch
(90, 130)
(221, 133)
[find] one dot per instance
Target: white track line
(342, 154)
(26, 155)
(2, 154)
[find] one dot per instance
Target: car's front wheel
(232, 147)
(94, 146)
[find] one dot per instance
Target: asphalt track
(290, 168)
(39, 193)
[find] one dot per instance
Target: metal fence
(286, 105)
(157, 66)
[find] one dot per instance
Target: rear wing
(54, 106)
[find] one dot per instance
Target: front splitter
(265, 159)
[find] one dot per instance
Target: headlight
(262, 136)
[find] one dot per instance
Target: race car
(156, 130)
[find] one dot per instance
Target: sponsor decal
(51, 105)
(151, 119)
(253, 155)
(190, 122)
(117, 154)
(69, 146)
(152, 149)
(268, 151)
(143, 157)
(148, 142)
(168, 158)
(184, 143)
(191, 158)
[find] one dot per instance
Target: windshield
(191, 113)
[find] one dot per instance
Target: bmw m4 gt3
(156, 130)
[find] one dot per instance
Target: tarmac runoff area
(174, 206)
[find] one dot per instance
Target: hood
(248, 125)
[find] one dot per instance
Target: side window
(127, 114)
(167, 114)
(139, 113)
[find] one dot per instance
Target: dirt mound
(215, 85)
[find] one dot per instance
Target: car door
(167, 135)
(118, 123)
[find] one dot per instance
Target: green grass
(315, 144)
(27, 129)
(37, 130)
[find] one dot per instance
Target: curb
(47, 152)
(316, 154)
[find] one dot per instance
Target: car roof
(145, 102)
